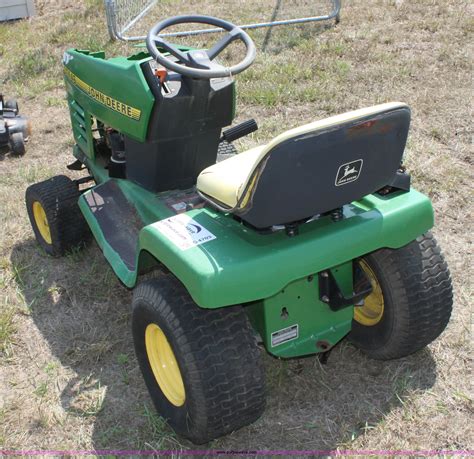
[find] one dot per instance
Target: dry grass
(68, 376)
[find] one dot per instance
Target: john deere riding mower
(311, 238)
(14, 129)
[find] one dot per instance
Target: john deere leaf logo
(349, 172)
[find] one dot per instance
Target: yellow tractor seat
(312, 169)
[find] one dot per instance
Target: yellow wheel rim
(42, 222)
(371, 312)
(164, 366)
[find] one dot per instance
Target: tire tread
(421, 291)
(219, 352)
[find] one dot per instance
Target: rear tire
(55, 216)
(416, 305)
(221, 384)
(17, 144)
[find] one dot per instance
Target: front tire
(202, 367)
(411, 302)
(55, 217)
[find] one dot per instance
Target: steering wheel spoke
(223, 43)
(172, 49)
(196, 63)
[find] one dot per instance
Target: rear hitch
(330, 292)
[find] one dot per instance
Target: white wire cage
(124, 15)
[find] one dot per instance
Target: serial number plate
(285, 335)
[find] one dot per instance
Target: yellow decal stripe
(102, 98)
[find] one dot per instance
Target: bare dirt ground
(68, 375)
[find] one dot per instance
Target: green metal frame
(297, 307)
(274, 275)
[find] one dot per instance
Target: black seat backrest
(322, 169)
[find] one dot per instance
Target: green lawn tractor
(299, 243)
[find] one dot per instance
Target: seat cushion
(224, 181)
(301, 158)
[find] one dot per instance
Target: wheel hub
(42, 222)
(371, 312)
(164, 365)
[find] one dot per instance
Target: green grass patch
(7, 331)
(33, 64)
(41, 390)
(163, 436)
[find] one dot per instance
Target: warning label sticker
(284, 335)
(184, 232)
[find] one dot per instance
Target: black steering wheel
(197, 63)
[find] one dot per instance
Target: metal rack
(122, 15)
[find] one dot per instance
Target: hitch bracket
(331, 293)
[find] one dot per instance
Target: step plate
(117, 219)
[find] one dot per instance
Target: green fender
(242, 266)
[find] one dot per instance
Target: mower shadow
(83, 313)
